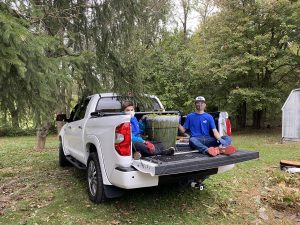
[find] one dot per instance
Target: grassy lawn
(35, 190)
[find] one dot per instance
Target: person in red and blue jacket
(140, 146)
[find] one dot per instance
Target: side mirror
(61, 117)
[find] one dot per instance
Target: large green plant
(28, 76)
(251, 60)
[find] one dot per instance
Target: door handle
(80, 127)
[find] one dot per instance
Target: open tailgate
(189, 162)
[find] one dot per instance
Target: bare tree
(188, 12)
(186, 6)
(204, 8)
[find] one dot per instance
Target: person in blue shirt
(199, 124)
(140, 146)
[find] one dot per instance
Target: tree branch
(285, 74)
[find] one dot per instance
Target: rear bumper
(130, 178)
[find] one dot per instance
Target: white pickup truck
(97, 138)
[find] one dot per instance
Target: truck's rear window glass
(109, 105)
(114, 104)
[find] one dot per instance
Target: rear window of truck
(114, 104)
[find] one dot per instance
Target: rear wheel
(94, 179)
(62, 160)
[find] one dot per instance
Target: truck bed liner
(194, 161)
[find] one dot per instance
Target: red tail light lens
(228, 127)
(123, 139)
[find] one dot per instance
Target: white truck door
(75, 131)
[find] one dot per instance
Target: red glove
(150, 146)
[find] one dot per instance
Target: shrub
(14, 132)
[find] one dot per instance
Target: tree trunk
(186, 9)
(59, 125)
(258, 116)
(14, 117)
(4, 118)
(41, 135)
(65, 97)
(241, 117)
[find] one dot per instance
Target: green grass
(35, 190)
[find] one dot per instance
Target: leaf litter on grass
(282, 193)
(28, 190)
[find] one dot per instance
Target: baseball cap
(200, 98)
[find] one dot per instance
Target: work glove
(223, 142)
(150, 146)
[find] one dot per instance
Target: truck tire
(94, 179)
(62, 160)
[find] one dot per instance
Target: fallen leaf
(281, 185)
(293, 217)
(262, 214)
(256, 222)
(278, 215)
(114, 222)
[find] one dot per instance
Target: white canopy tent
(291, 117)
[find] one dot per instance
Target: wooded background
(243, 56)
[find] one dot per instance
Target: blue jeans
(202, 143)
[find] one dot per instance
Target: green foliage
(28, 75)
(123, 32)
(8, 131)
(257, 98)
(249, 55)
(51, 50)
(168, 70)
(14, 132)
(245, 54)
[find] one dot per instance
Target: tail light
(228, 127)
(123, 139)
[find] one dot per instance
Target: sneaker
(169, 151)
(137, 155)
(213, 151)
(228, 150)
